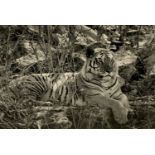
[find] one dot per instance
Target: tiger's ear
(90, 52)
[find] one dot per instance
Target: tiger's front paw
(120, 115)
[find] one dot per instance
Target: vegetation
(43, 49)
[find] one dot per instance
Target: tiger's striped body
(96, 83)
(43, 87)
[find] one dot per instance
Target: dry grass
(22, 115)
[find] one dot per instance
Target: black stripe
(34, 92)
(51, 93)
(90, 82)
(114, 91)
(33, 86)
(60, 92)
(40, 83)
(66, 93)
(63, 94)
(43, 82)
(55, 78)
(113, 84)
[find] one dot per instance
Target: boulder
(126, 62)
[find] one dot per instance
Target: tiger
(97, 83)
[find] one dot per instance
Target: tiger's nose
(108, 71)
(100, 76)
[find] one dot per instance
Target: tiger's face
(100, 65)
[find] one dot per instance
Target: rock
(150, 64)
(34, 54)
(147, 55)
(125, 58)
(127, 71)
(126, 62)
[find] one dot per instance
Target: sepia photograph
(77, 76)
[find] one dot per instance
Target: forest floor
(42, 49)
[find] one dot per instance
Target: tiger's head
(100, 64)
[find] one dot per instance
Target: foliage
(55, 45)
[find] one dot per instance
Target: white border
(77, 142)
(73, 12)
